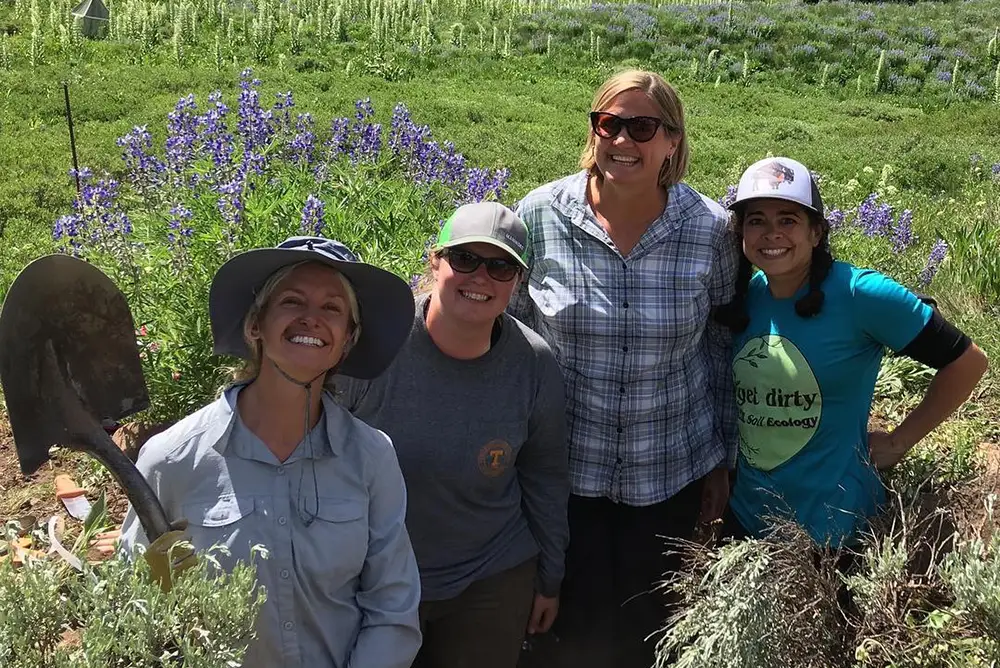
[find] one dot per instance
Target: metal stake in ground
(72, 137)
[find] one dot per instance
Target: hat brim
(385, 303)
(738, 205)
(485, 240)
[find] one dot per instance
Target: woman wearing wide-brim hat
(276, 462)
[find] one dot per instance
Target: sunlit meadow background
(203, 127)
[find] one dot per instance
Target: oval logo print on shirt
(495, 457)
(779, 400)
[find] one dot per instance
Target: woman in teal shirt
(811, 332)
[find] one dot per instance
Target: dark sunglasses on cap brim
(640, 128)
(466, 262)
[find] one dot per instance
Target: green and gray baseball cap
(489, 223)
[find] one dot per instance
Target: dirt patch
(34, 495)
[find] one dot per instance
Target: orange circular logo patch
(495, 457)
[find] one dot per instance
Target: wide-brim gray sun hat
(385, 302)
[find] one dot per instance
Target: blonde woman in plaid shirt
(627, 264)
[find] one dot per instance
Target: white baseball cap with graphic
(778, 178)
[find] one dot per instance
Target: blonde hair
(251, 367)
(671, 111)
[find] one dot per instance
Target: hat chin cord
(306, 515)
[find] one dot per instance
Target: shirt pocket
(226, 520)
(334, 547)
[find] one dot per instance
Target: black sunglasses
(640, 128)
(465, 262)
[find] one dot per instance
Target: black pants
(483, 627)
(611, 601)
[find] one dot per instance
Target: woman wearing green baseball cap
(275, 461)
(811, 332)
(474, 406)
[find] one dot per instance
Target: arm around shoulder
(389, 592)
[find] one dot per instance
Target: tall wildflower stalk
(880, 72)
(996, 85)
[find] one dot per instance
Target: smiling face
(779, 237)
(307, 321)
(624, 161)
(475, 299)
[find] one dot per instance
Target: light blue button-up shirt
(342, 589)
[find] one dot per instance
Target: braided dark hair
(734, 314)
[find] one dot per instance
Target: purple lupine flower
(875, 219)
(975, 159)
(369, 143)
(178, 225)
(866, 15)
(303, 143)
(944, 76)
(66, 226)
(254, 125)
(312, 216)
(339, 133)
(144, 168)
(181, 134)
(806, 50)
(938, 253)
(902, 235)
(975, 89)
(928, 35)
(282, 114)
(726, 200)
(836, 218)
(995, 169)
(214, 137)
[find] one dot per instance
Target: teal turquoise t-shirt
(804, 388)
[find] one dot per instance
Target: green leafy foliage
(112, 614)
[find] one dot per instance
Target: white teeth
(624, 159)
(773, 252)
(475, 296)
(308, 341)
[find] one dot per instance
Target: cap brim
(735, 206)
(384, 300)
(485, 240)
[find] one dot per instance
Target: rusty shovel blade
(69, 364)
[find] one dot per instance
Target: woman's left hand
(543, 614)
(714, 495)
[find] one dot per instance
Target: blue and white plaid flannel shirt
(649, 384)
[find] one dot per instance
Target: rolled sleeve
(389, 593)
(719, 343)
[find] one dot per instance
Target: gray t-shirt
(482, 446)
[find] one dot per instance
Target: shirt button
(284, 573)
(282, 521)
(281, 470)
(624, 349)
(624, 304)
(622, 389)
(620, 430)
(288, 626)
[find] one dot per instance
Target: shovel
(68, 365)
